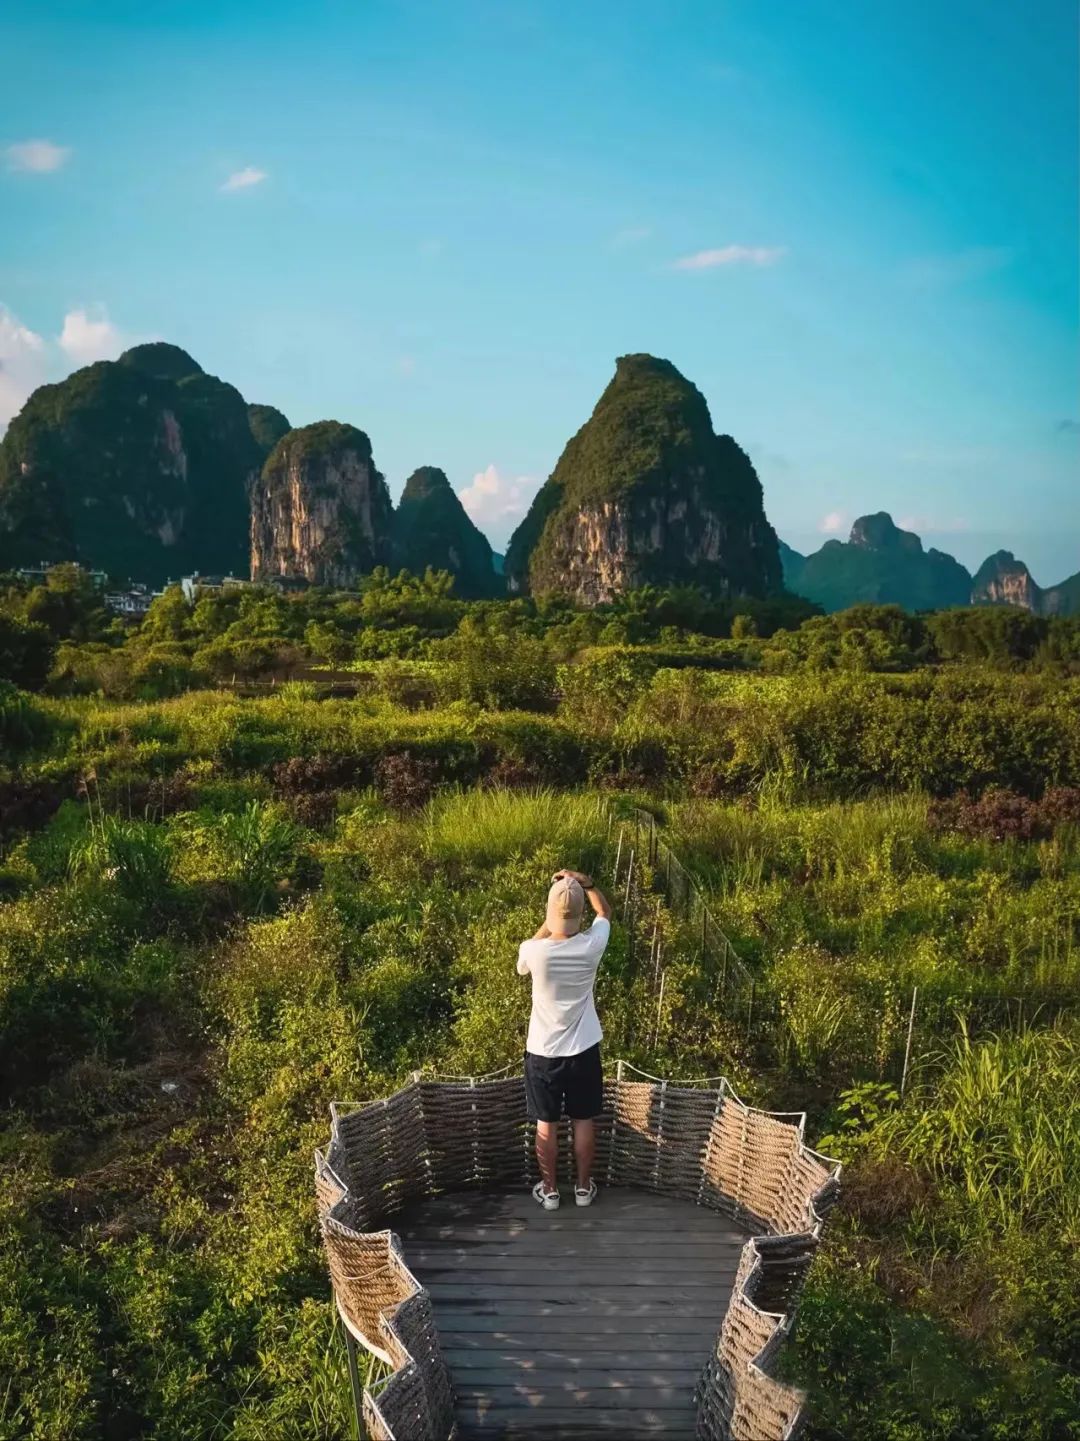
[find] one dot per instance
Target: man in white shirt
(562, 1052)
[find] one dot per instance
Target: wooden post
(659, 1010)
(907, 1048)
(618, 860)
(354, 1382)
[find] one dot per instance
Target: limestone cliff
(139, 466)
(647, 493)
(431, 528)
(320, 510)
(1004, 580)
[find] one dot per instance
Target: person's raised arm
(596, 898)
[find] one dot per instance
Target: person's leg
(547, 1153)
(584, 1102)
(543, 1098)
(584, 1151)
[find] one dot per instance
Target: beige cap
(565, 906)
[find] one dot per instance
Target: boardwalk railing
(696, 1142)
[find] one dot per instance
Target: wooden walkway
(574, 1323)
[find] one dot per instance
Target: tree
(26, 651)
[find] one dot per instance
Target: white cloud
(244, 179)
(90, 335)
(495, 503)
(731, 255)
(630, 235)
(23, 361)
(37, 156)
(835, 522)
(28, 360)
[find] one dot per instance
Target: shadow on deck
(657, 1312)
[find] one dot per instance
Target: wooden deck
(574, 1323)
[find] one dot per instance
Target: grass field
(217, 915)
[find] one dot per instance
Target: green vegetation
(433, 532)
(220, 911)
(648, 447)
(880, 564)
(268, 425)
(139, 466)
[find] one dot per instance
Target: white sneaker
(548, 1199)
(585, 1197)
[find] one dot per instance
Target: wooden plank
(661, 1318)
(485, 1208)
(610, 1251)
(554, 1379)
(469, 1349)
(537, 1400)
(686, 1218)
(678, 1426)
(625, 1300)
(572, 1280)
(462, 1321)
(477, 1410)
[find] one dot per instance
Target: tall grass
(136, 855)
(485, 827)
(999, 1124)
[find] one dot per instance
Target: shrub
(405, 782)
(603, 684)
(500, 671)
(308, 775)
(135, 856)
(26, 650)
(22, 722)
(255, 845)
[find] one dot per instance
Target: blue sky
(853, 225)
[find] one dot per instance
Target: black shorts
(577, 1081)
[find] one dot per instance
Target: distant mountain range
(881, 564)
(148, 467)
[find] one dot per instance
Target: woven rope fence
(694, 1141)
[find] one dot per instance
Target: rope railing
(693, 1142)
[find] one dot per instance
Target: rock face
(880, 564)
(1004, 580)
(320, 510)
(138, 466)
(432, 529)
(647, 493)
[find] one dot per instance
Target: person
(562, 1050)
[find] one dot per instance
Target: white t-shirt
(564, 1020)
